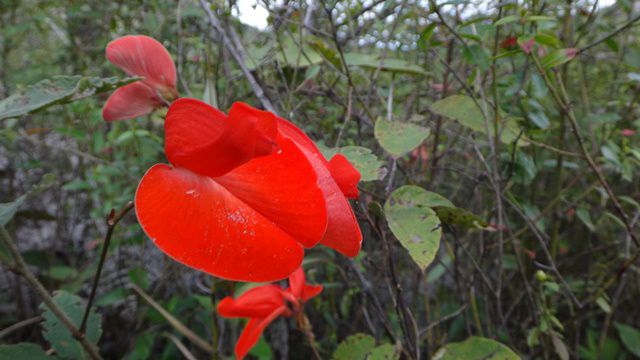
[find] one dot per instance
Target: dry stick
(22, 270)
(112, 220)
(563, 102)
(424, 331)
(237, 56)
(183, 349)
(19, 325)
(180, 327)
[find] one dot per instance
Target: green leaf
(414, 223)
(398, 138)
(474, 54)
(8, 210)
(557, 57)
(59, 336)
(210, 95)
(540, 18)
(630, 337)
(507, 20)
(425, 36)
(603, 304)
(262, 350)
(326, 51)
(585, 218)
(374, 62)
(475, 348)
(296, 53)
(364, 160)
(112, 297)
(57, 90)
(384, 352)
(355, 347)
(457, 216)
(463, 109)
(547, 39)
(23, 351)
(61, 273)
(130, 134)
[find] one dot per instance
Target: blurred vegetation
(515, 123)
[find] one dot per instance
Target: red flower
(509, 43)
(263, 304)
(526, 46)
(628, 132)
(140, 55)
(244, 194)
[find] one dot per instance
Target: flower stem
(112, 220)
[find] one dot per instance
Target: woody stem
(305, 326)
(112, 220)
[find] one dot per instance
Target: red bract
(263, 304)
(142, 56)
(245, 193)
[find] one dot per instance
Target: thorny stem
(22, 269)
(112, 220)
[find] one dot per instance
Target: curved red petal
(284, 188)
(297, 280)
(201, 138)
(310, 291)
(253, 330)
(131, 101)
(345, 175)
(259, 301)
(343, 232)
(200, 224)
(140, 55)
(266, 126)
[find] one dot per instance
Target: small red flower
(245, 193)
(628, 132)
(140, 55)
(527, 45)
(571, 52)
(263, 304)
(509, 43)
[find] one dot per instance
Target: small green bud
(541, 276)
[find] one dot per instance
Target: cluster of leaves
(497, 147)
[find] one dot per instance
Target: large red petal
(200, 224)
(257, 302)
(140, 55)
(343, 232)
(131, 101)
(253, 330)
(345, 175)
(203, 139)
(284, 188)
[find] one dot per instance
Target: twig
(179, 326)
(183, 349)
(112, 220)
(237, 56)
(563, 102)
(24, 323)
(22, 269)
(608, 36)
(424, 331)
